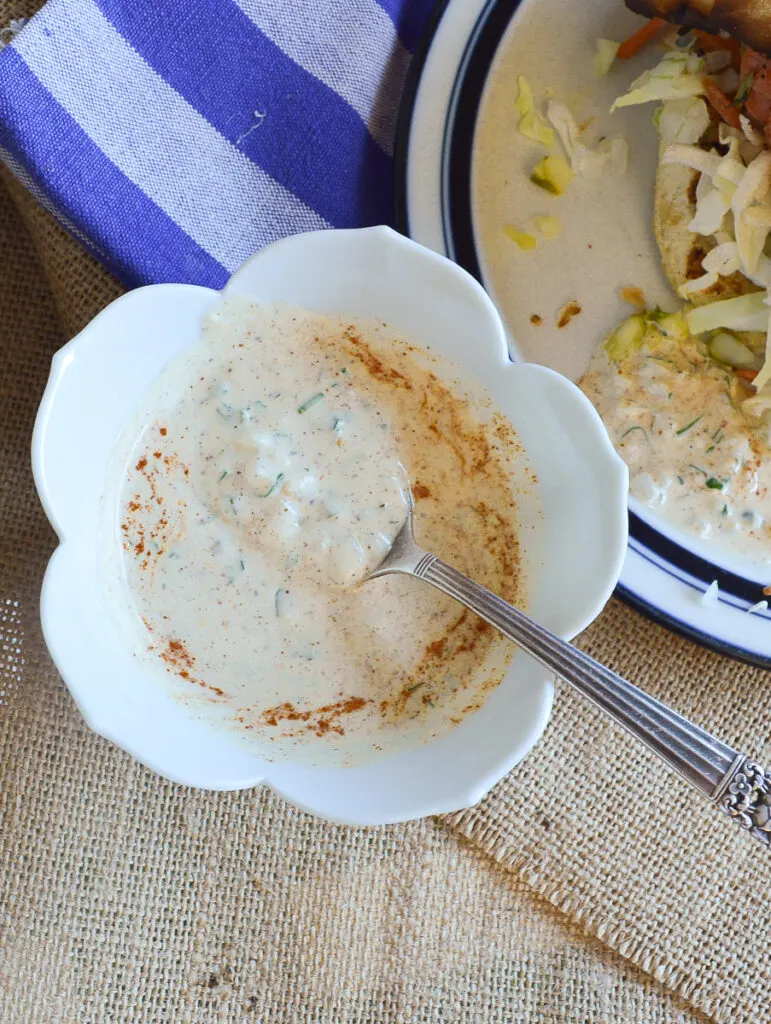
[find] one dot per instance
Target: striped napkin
(174, 138)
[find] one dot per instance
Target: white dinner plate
(448, 146)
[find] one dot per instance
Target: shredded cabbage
(731, 167)
(726, 133)
(684, 120)
(752, 188)
(764, 376)
(750, 132)
(693, 156)
(697, 284)
(677, 75)
(711, 208)
(762, 274)
(531, 124)
(759, 215)
(723, 259)
(744, 313)
(604, 56)
(609, 154)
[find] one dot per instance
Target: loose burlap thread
(124, 898)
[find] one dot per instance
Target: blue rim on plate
(454, 196)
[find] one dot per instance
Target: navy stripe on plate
(298, 130)
(91, 191)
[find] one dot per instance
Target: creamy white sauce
(694, 455)
(264, 474)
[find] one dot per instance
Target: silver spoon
(732, 780)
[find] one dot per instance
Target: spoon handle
(741, 787)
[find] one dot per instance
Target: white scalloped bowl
(573, 527)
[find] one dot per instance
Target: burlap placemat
(590, 821)
(125, 899)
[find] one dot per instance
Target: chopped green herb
(698, 469)
(242, 564)
(337, 424)
(313, 400)
(655, 315)
(343, 369)
(745, 88)
(629, 431)
(223, 474)
(682, 481)
(688, 426)
(382, 506)
(715, 485)
(724, 510)
(276, 483)
(710, 449)
(717, 437)
(411, 689)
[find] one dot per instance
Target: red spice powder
(319, 720)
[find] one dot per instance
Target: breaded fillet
(681, 250)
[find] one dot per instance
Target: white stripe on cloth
(349, 45)
(223, 201)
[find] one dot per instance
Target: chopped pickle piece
(521, 238)
(727, 349)
(553, 174)
(627, 337)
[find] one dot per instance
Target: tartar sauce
(264, 474)
(695, 454)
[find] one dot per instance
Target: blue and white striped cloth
(174, 138)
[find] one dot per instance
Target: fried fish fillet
(681, 250)
(747, 21)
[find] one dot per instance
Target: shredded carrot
(640, 38)
(709, 43)
(746, 374)
(721, 103)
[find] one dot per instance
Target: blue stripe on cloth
(409, 18)
(286, 121)
(143, 243)
(206, 185)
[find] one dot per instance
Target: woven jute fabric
(125, 898)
